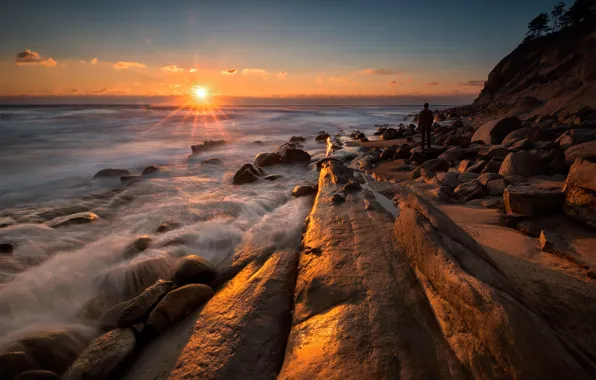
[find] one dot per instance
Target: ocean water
(48, 157)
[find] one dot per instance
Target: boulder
(130, 179)
(586, 151)
(297, 139)
(493, 166)
(6, 248)
(247, 174)
(139, 307)
(106, 173)
(529, 228)
(13, 363)
(448, 179)
(468, 176)
(167, 227)
(580, 192)
(273, 177)
(149, 170)
(523, 144)
(194, 270)
(551, 242)
(514, 136)
(469, 190)
(496, 187)
(464, 165)
(258, 142)
(104, 358)
(212, 161)
(74, 219)
(388, 153)
(38, 375)
(485, 178)
(266, 159)
(419, 156)
(351, 187)
(291, 155)
(140, 244)
(402, 152)
(477, 167)
(494, 132)
(436, 165)
(392, 134)
(452, 154)
(322, 137)
(337, 199)
(304, 190)
(522, 163)
(533, 201)
(176, 304)
(493, 151)
(207, 145)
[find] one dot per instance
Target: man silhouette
(425, 122)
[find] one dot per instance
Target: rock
(448, 179)
(139, 245)
(298, 139)
(290, 155)
(580, 196)
(247, 174)
(493, 166)
(338, 199)
(464, 165)
(104, 358)
(267, 159)
(418, 156)
(194, 269)
(207, 145)
(139, 307)
(469, 190)
(452, 154)
(402, 152)
(436, 165)
(522, 163)
(468, 176)
(74, 219)
(551, 242)
(586, 151)
(129, 179)
(212, 161)
(514, 179)
(304, 190)
(532, 201)
(485, 178)
(13, 363)
(388, 153)
(494, 132)
(477, 167)
(109, 318)
(176, 304)
(105, 173)
(545, 145)
(523, 144)
(258, 142)
(322, 137)
(496, 187)
(391, 134)
(583, 174)
(6, 248)
(515, 136)
(273, 177)
(493, 151)
(351, 187)
(150, 170)
(529, 228)
(6, 221)
(38, 375)
(167, 226)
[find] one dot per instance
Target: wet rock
(496, 187)
(436, 165)
(586, 151)
(494, 132)
(176, 304)
(469, 190)
(149, 170)
(304, 190)
(109, 318)
(104, 358)
(388, 153)
(290, 155)
(338, 199)
(139, 307)
(167, 227)
(247, 174)
(38, 375)
(74, 219)
(529, 228)
(267, 159)
(533, 201)
(391, 134)
(212, 161)
(297, 139)
(322, 137)
(485, 178)
(6, 248)
(273, 177)
(139, 245)
(493, 166)
(129, 179)
(258, 142)
(522, 163)
(351, 187)
(194, 270)
(106, 173)
(207, 145)
(13, 363)
(514, 136)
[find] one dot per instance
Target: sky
(261, 49)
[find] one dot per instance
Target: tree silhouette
(537, 26)
(555, 16)
(580, 11)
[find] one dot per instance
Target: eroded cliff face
(553, 74)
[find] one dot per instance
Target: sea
(49, 155)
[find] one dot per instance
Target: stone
(529, 228)
(304, 190)
(258, 142)
(448, 179)
(545, 145)
(469, 190)
(13, 363)
(337, 199)
(167, 227)
(140, 244)
(388, 153)
(452, 154)
(468, 176)
(38, 375)
(435, 165)
(130, 179)
(298, 139)
(7, 221)
(74, 219)
(493, 166)
(109, 318)
(176, 304)
(322, 137)
(290, 155)
(391, 134)
(493, 151)
(6, 248)
(586, 151)
(514, 179)
(533, 201)
(496, 187)
(477, 167)
(351, 187)
(106, 173)
(149, 170)
(580, 205)
(402, 152)
(194, 269)
(464, 165)
(266, 159)
(273, 177)
(212, 161)
(583, 174)
(104, 358)
(247, 174)
(522, 163)
(515, 136)
(552, 242)
(419, 156)
(139, 307)
(207, 145)
(494, 132)
(485, 178)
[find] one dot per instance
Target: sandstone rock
(485, 178)
(13, 363)
(529, 228)
(436, 165)
(74, 219)
(194, 270)
(452, 154)
(140, 307)
(533, 201)
(586, 151)
(301, 191)
(105, 173)
(469, 190)
(247, 174)
(298, 139)
(140, 244)
(351, 187)
(493, 166)
(494, 132)
(468, 176)
(464, 165)
(266, 159)
(477, 167)
(207, 145)
(322, 137)
(522, 163)
(551, 242)
(448, 179)
(583, 174)
(515, 136)
(38, 375)
(493, 151)
(212, 161)
(391, 134)
(580, 204)
(514, 179)
(176, 304)
(496, 187)
(149, 170)
(523, 144)
(418, 156)
(104, 358)
(6, 248)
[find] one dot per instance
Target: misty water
(48, 157)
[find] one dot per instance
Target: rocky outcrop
(580, 192)
(247, 174)
(207, 145)
(494, 132)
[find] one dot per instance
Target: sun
(200, 93)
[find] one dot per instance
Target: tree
(580, 11)
(555, 16)
(538, 26)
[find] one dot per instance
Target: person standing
(425, 122)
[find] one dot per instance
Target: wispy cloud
(193, 70)
(174, 85)
(282, 74)
(128, 65)
(393, 83)
(172, 69)
(29, 57)
(94, 61)
(377, 72)
(229, 72)
(256, 72)
(472, 83)
(433, 83)
(337, 79)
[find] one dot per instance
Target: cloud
(282, 74)
(393, 83)
(256, 72)
(94, 61)
(193, 70)
(433, 83)
(128, 65)
(229, 72)
(377, 72)
(174, 85)
(337, 79)
(172, 69)
(473, 83)
(83, 62)
(29, 57)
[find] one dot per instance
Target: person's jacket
(426, 118)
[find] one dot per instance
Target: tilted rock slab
(492, 332)
(359, 311)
